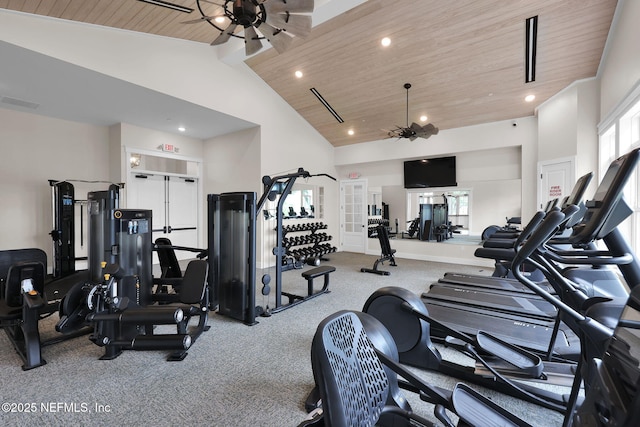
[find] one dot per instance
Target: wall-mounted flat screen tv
(425, 173)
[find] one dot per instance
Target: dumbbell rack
(373, 223)
(307, 246)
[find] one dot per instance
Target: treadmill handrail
(589, 257)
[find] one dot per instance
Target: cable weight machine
(63, 234)
(273, 187)
(232, 245)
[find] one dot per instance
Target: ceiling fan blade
(252, 43)
(415, 127)
(412, 138)
(427, 131)
(430, 129)
(291, 6)
(280, 40)
(298, 25)
(225, 35)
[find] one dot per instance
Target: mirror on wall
(377, 212)
(304, 201)
(454, 202)
(374, 202)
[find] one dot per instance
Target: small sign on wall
(169, 148)
(354, 175)
(555, 191)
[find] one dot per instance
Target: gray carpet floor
(235, 375)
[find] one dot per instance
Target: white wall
(149, 139)
(232, 162)
(488, 136)
(587, 132)
(493, 176)
(620, 68)
(34, 150)
(493, 160)
(557, 123)
(567, 127)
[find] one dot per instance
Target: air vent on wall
(19, 102)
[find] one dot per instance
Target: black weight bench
(310, 275)
(324, 270)
(387, 252)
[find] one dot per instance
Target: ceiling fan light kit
(415, 130)
(277, 21)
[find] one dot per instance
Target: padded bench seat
(323, 270)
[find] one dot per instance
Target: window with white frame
(621, 136)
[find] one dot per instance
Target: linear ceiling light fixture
(168, 5)
(531, 35)
(326, 104)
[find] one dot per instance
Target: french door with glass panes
(353, 215)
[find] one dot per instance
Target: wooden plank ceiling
(464, 59)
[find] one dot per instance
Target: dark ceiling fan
(415, 130)
(277, 21)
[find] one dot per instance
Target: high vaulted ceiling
(465, 59)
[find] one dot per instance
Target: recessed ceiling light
(350, 132)
(386, 41)
(423, 118)
(529, 98)
(298, 74)
(220, 19)
(182, 129)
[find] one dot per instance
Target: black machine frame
(236, 297)
(282, 185)
(63, 234)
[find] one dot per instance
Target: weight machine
(117, 299)
(63, 234)
(232, 229)
(279, 187)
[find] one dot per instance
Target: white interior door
(557, 178)
(174, 202)
(182, 211)
(353, 215)
(146, 191)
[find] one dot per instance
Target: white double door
(174, 202)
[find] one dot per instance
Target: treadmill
(600, 220)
